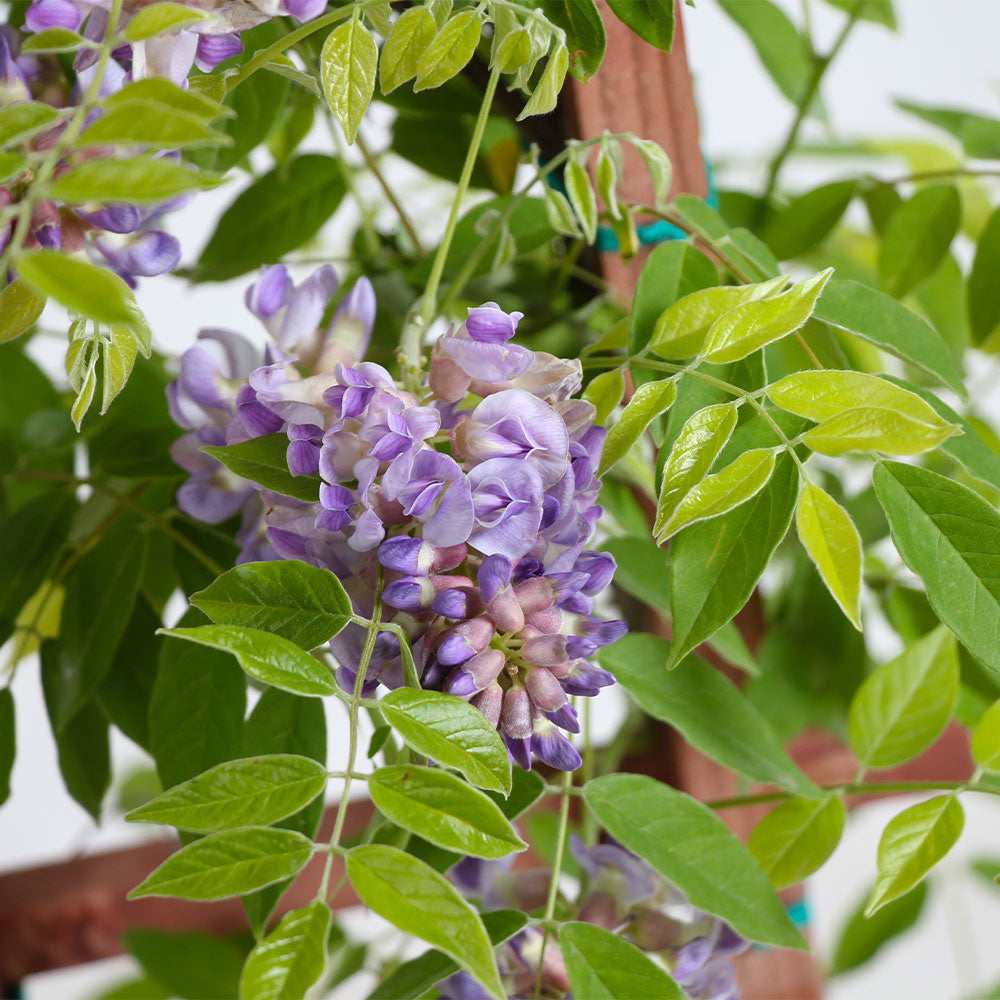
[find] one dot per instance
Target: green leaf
(750, 326)
(278, 213)
(889, 325)
(159, 90)
(582, 197)
(142, 180)
(256, 791)
(780, 47)
(513, 52)
(560, 214)
(903, 707)
(84, 749)
(986, 739)
(407, 42)
(451, 732)
(189, 964)
(348, 64)
(872, 428)
(833, 544)
(546, 93)
(159, 18)
(657, 166)
(605, 392)
(691, 847)
(413, 979)
(651, 20)
(717, 563)
(451, 48)
(19, 121)
(11, 165)
(604, 966)
(948, 536)
(52, 40)
(862, 937)
(291, 958)
(978, 134)
(681, 329)
(151, 124)
(795, 839)
(698, 444)
(263, 461)
(228, 864)
(585, 36)
(650, 400)
(8, 742)
(807, 219)
(100, 593)
(719, 493)
(256, 106)
(444, 810)
(267, 657)
(982, 294)
(305, 604)
(78, 285)
(707, 709)
(912, 843)
(419, 901)
(918, 236)
(875, 11)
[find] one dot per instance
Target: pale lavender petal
(146, 254)
(488, 362)
(214, 49)
(490, 324)
(305, 10)
(115, 218)
(269, 292)
(53, 14)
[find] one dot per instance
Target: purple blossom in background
(479, 515)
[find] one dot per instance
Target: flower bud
(464, 640)
(489, 701)
(515, 716)
(546, 692)
(498, 595)
(476, 673)
(545, 650)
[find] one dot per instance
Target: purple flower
(437, 493)
(507, 499)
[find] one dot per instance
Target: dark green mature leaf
(886, 323)
(918, 236)
(913, 842)
(305, 604)
(419, 901)
(196, 711)
(20, 307)
(807, 219)
(451, 732)
(8, 742)
(190, 964)
(982, 292)
(527, 787)
(978, 134)
(267, 657)
(291, 958)
(585, 36)
(950, 538)
(257, 104)
(262, 460)
(706, 708)
(78, 285)
(651, 20)
(604, 966)
(413, 979)
(444, 810)
(255, 791)
(228, 864)
(672, 271)
(780, 47)
(279, 212)
(100, 593)
(716, 564)
(143, 180)
(792, 841)
(689, 845)
(861, 938)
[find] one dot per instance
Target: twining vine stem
(550, 903)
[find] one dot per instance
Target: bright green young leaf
(986, 739)
(151, 124)
(78, 285)
(978, 134)
(861, 938)
(451, 48)
(608, 175)
(513, 52)
(720, 492)
(119, 357)
(11, 165)
(263, 461)
(904, 706)
(546, 93)
(142, 180)
(982, 293)
(52, 40)
(190, 964)
(750, 326)
(348, 64)
(605, 391)
(697, 446)
(582, 197)
(807, 219)
(650, 400)
(878, 428)
(419, 901)
(302, 603)
(717, 563)
(159, 90)
(605, 966)
(707, 709)
(875, 11)
(651, 20)
(291, 958)
(255, 791)
(912, 844)
(444, 810)
(20, 307)
(20, 120)
(560, 214)
(681, 330)
(832, 541)
(451, 732)
(918, 236)
(85, 392)
(795, 839)
(657, 166)
(228, 864)
(269, 658)
(407, 42)
(585, 35)
(158, 18)
(8, 742)
(691, 847)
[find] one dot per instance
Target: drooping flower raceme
(474, 498)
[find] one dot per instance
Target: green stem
(350, 181)
(372, 163)
(550, 903)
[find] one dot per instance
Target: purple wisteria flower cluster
(623, 895)
(473, 498)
